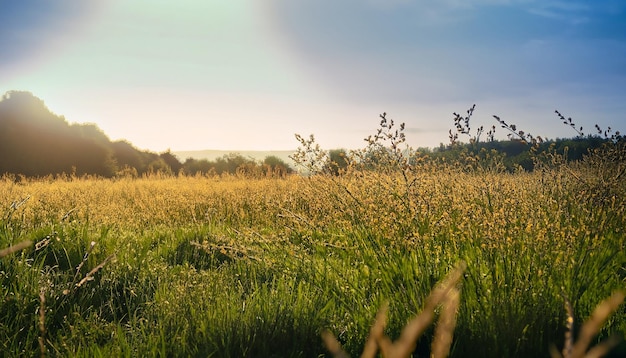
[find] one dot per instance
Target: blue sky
(249, 74)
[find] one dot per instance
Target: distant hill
(36, 142)
(212, 155)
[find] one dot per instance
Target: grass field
(234, 267)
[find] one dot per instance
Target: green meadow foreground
(244, 267)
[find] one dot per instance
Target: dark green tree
(36, 142)
(171, 160)
(276, 165)
(337, 161)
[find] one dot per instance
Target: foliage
(234, 163)
(38, 143)
(247, 265)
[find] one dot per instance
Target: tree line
(35, 142)
(513, 154)
(520, 154)
(522, 151)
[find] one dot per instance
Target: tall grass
(231, 267)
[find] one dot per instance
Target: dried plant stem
(414, 329)
(603, 348)
(445, 326)
(89, 275)
(376, 332)
(15, 248)
(80, 266)
(333, 346)
(42, 322)
(445, 293)
(569, 333)
(592, 326)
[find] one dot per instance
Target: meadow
(235, 266)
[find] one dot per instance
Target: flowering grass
(232, 267)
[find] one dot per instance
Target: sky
(250, 74)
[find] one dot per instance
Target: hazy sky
(249, 74)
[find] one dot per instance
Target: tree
(171, 160)
(127, 156)
(276, 166)
(36, 142)
(337, 161)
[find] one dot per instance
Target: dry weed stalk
(42, 322)
(589, 330)
(569, 325)
(446, 293)
(333, 345)
(371, 347)
(445, 326)
(15, 248)
(85, 257)
(89, 275)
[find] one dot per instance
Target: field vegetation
(262, 266)
(35, 142)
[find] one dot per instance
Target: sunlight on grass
(235, 266)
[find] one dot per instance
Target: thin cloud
(570, 12)
(438, 12)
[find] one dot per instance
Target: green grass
(233, 267)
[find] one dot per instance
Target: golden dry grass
(526, 234)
